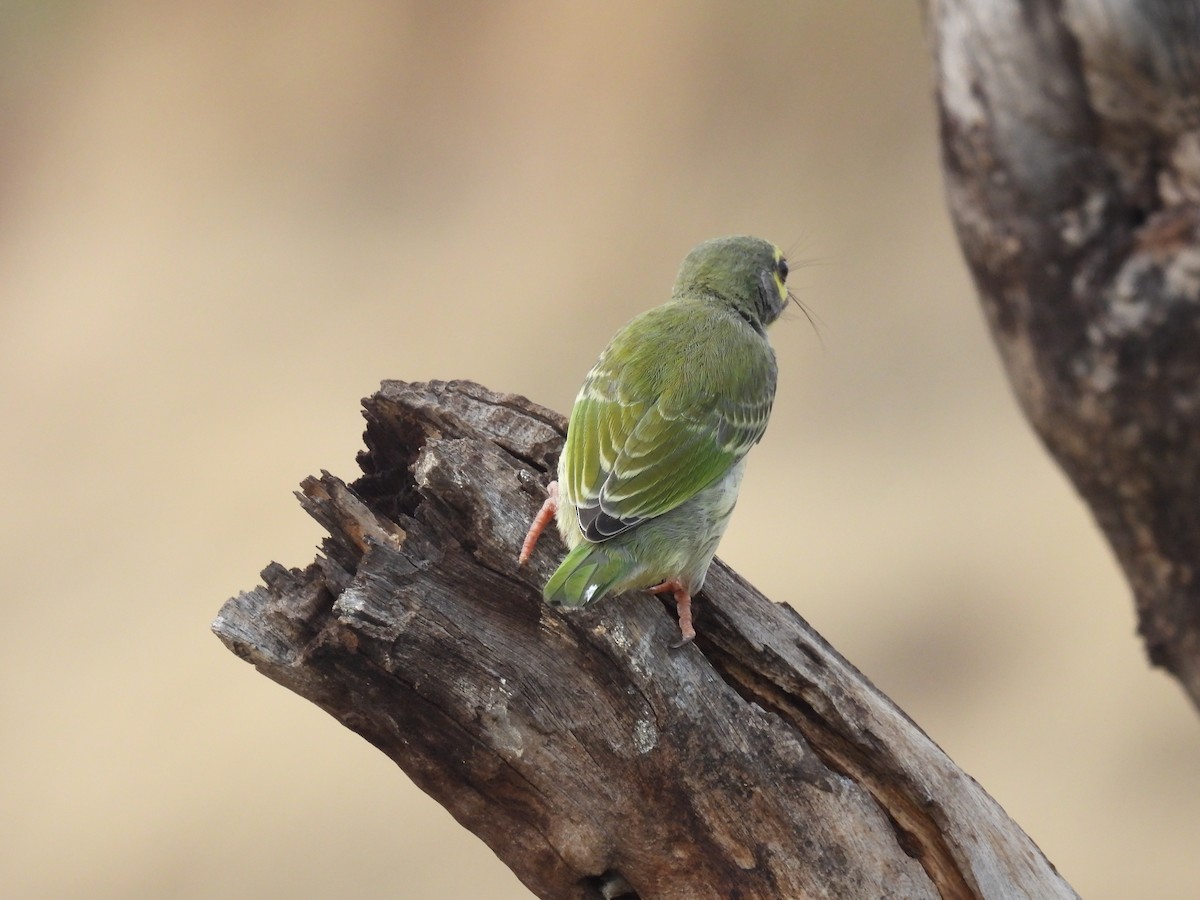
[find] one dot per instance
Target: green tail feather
(586, 575)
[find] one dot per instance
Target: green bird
(659, 433)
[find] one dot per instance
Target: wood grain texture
(594, 760)
(1071, 148)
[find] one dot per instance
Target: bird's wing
(665, 412)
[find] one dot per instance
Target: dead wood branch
(591, 758)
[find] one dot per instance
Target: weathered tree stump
(594, 760)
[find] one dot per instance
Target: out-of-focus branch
(1071, 145)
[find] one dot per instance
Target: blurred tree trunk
(594, 760)
(1071, 146)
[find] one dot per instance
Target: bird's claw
(683, 606)
(548, 511)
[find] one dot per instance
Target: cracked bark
(1070, 133)
(593, 760)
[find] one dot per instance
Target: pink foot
(540, 521)
(683, 605)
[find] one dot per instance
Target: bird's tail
(587, 574)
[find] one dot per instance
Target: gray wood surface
(592, 758)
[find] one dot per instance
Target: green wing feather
(587, 573)
(679, 396)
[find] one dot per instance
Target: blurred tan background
(221, 225)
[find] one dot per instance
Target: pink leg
(540, 521)
(683, 605)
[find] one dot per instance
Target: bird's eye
(782, 268)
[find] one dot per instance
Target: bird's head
(746, 273)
